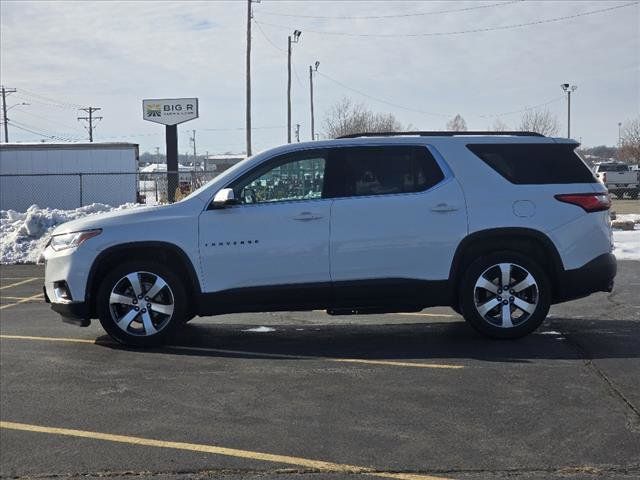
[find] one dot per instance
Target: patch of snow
(627, 244)
(260, 329)
(549, 332)
(24, 235)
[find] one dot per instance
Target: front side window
(384, 170)
(289, 178)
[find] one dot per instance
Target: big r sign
(170, 111)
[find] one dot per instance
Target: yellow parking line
(310, 357)
(47, 339)
(20, 283)
(27, 299)
(256, 354)
(7, 297)
(319, 465)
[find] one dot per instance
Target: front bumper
(595, 276)
(76, 313)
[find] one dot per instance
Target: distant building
(220, 163)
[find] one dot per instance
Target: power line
(402, 107)
(29, 128)
(268, 39)
(461, 32)
(48, 99)
(371, 17)
(380, 99)
(51, 121)
(526, 109)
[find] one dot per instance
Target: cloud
(114, 54)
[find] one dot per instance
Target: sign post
(170, 112)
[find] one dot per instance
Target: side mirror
(223, 198)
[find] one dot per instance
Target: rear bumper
(595, 276)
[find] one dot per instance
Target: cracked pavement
(562, 403)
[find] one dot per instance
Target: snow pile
(23, 235)
(627, 242)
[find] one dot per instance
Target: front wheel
(141, 303)
(505, 295)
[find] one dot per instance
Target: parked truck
(619, 179)
(67, 175)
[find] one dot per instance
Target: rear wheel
(141, 303)
(505, 295)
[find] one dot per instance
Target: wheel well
(528, 242)
(167, 254)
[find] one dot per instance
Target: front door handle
(444, 207)
(307, 216)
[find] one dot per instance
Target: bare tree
(346, 117)
(457, 124)
(630, 141)
(498, 126)
(540, 121)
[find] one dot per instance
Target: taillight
(589, 202)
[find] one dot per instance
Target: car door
(397, 218)
(273, 246)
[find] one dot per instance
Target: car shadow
(558, 338)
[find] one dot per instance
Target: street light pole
(568, 89)
(619, 134)
(311, 70)
(296, 37)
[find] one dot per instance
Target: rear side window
(526, 164)
(385, 170)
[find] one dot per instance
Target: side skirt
(344, 297)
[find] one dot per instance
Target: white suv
(497, 226)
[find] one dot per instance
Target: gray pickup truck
(619, 179)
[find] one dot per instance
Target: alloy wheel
(506, 295)
(141, 303)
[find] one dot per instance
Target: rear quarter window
(534, 164)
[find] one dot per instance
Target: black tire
(135, 335)
(536, 297)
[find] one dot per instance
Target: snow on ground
(627, 243)
(260, 330)
(23, 235)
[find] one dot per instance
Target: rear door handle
(307, 216)
(444, 207)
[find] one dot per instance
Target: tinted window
(612, 167)
(358, 171)
(287, 178)
(534, 163)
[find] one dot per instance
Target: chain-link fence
(73, 190)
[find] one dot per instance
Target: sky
(422, 61)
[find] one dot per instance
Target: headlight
(70, 240)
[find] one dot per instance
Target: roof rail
(441, 134)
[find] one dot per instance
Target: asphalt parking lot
(405, 396)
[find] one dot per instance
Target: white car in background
(497, 226)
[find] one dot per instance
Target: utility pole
(248, 94)
(568, 89)
(193, 139)
(311, 70)
(157, 154)
(6, 91)
(297, 132)
(296, 37)
(90, 119)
